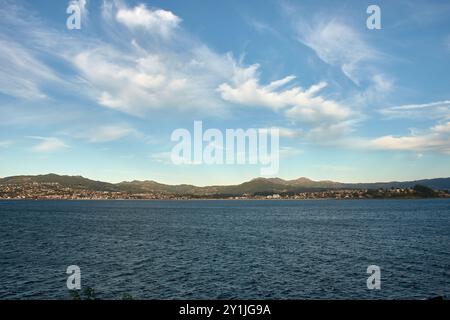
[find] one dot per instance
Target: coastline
(226, 199)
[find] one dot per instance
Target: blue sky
(352, 104)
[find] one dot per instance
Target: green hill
(76, 182)
(255, 186)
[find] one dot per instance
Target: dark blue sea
(226, 249)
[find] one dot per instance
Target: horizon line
(213, 185)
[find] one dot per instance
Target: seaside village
(56, 191)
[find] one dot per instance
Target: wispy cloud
(147, 74)
(429, 142)
(103, 133)
(152, 74)
(140, 81)
(21, 73)
(331, 133)
(5, 143)
(48, 144)
(284, 132)
(162, 157)
(286, 152)
(143, 62)
(431, 110)
(110, 133)
(338, 44)
(262, 27)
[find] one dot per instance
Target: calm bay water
(226, 249)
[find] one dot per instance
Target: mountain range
(255, 186)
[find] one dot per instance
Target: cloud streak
(338, 44)
(48, 144)
(21, 73)
(5, 143)
(431, 110)
(110, 133)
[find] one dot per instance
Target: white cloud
(21, 74)
(151, 74)
(133, 73)
(262, 27)
(110, 133)
(379, 88)
(382, 83)
(283, 132)
(140, 81)
(338, 44)
(162, 157)
(103, 133)
(436, 139)
(298, 104)
(429, 142)
(332, 132)
(431, 110)
(442, 128)
(48, 144)
(27, 48)
(5, 143)
(286, 152)
(160, 22)
(318, 109)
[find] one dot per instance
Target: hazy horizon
(212, 184)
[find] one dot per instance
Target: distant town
(56, 191)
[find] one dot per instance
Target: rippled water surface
(226, 249)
